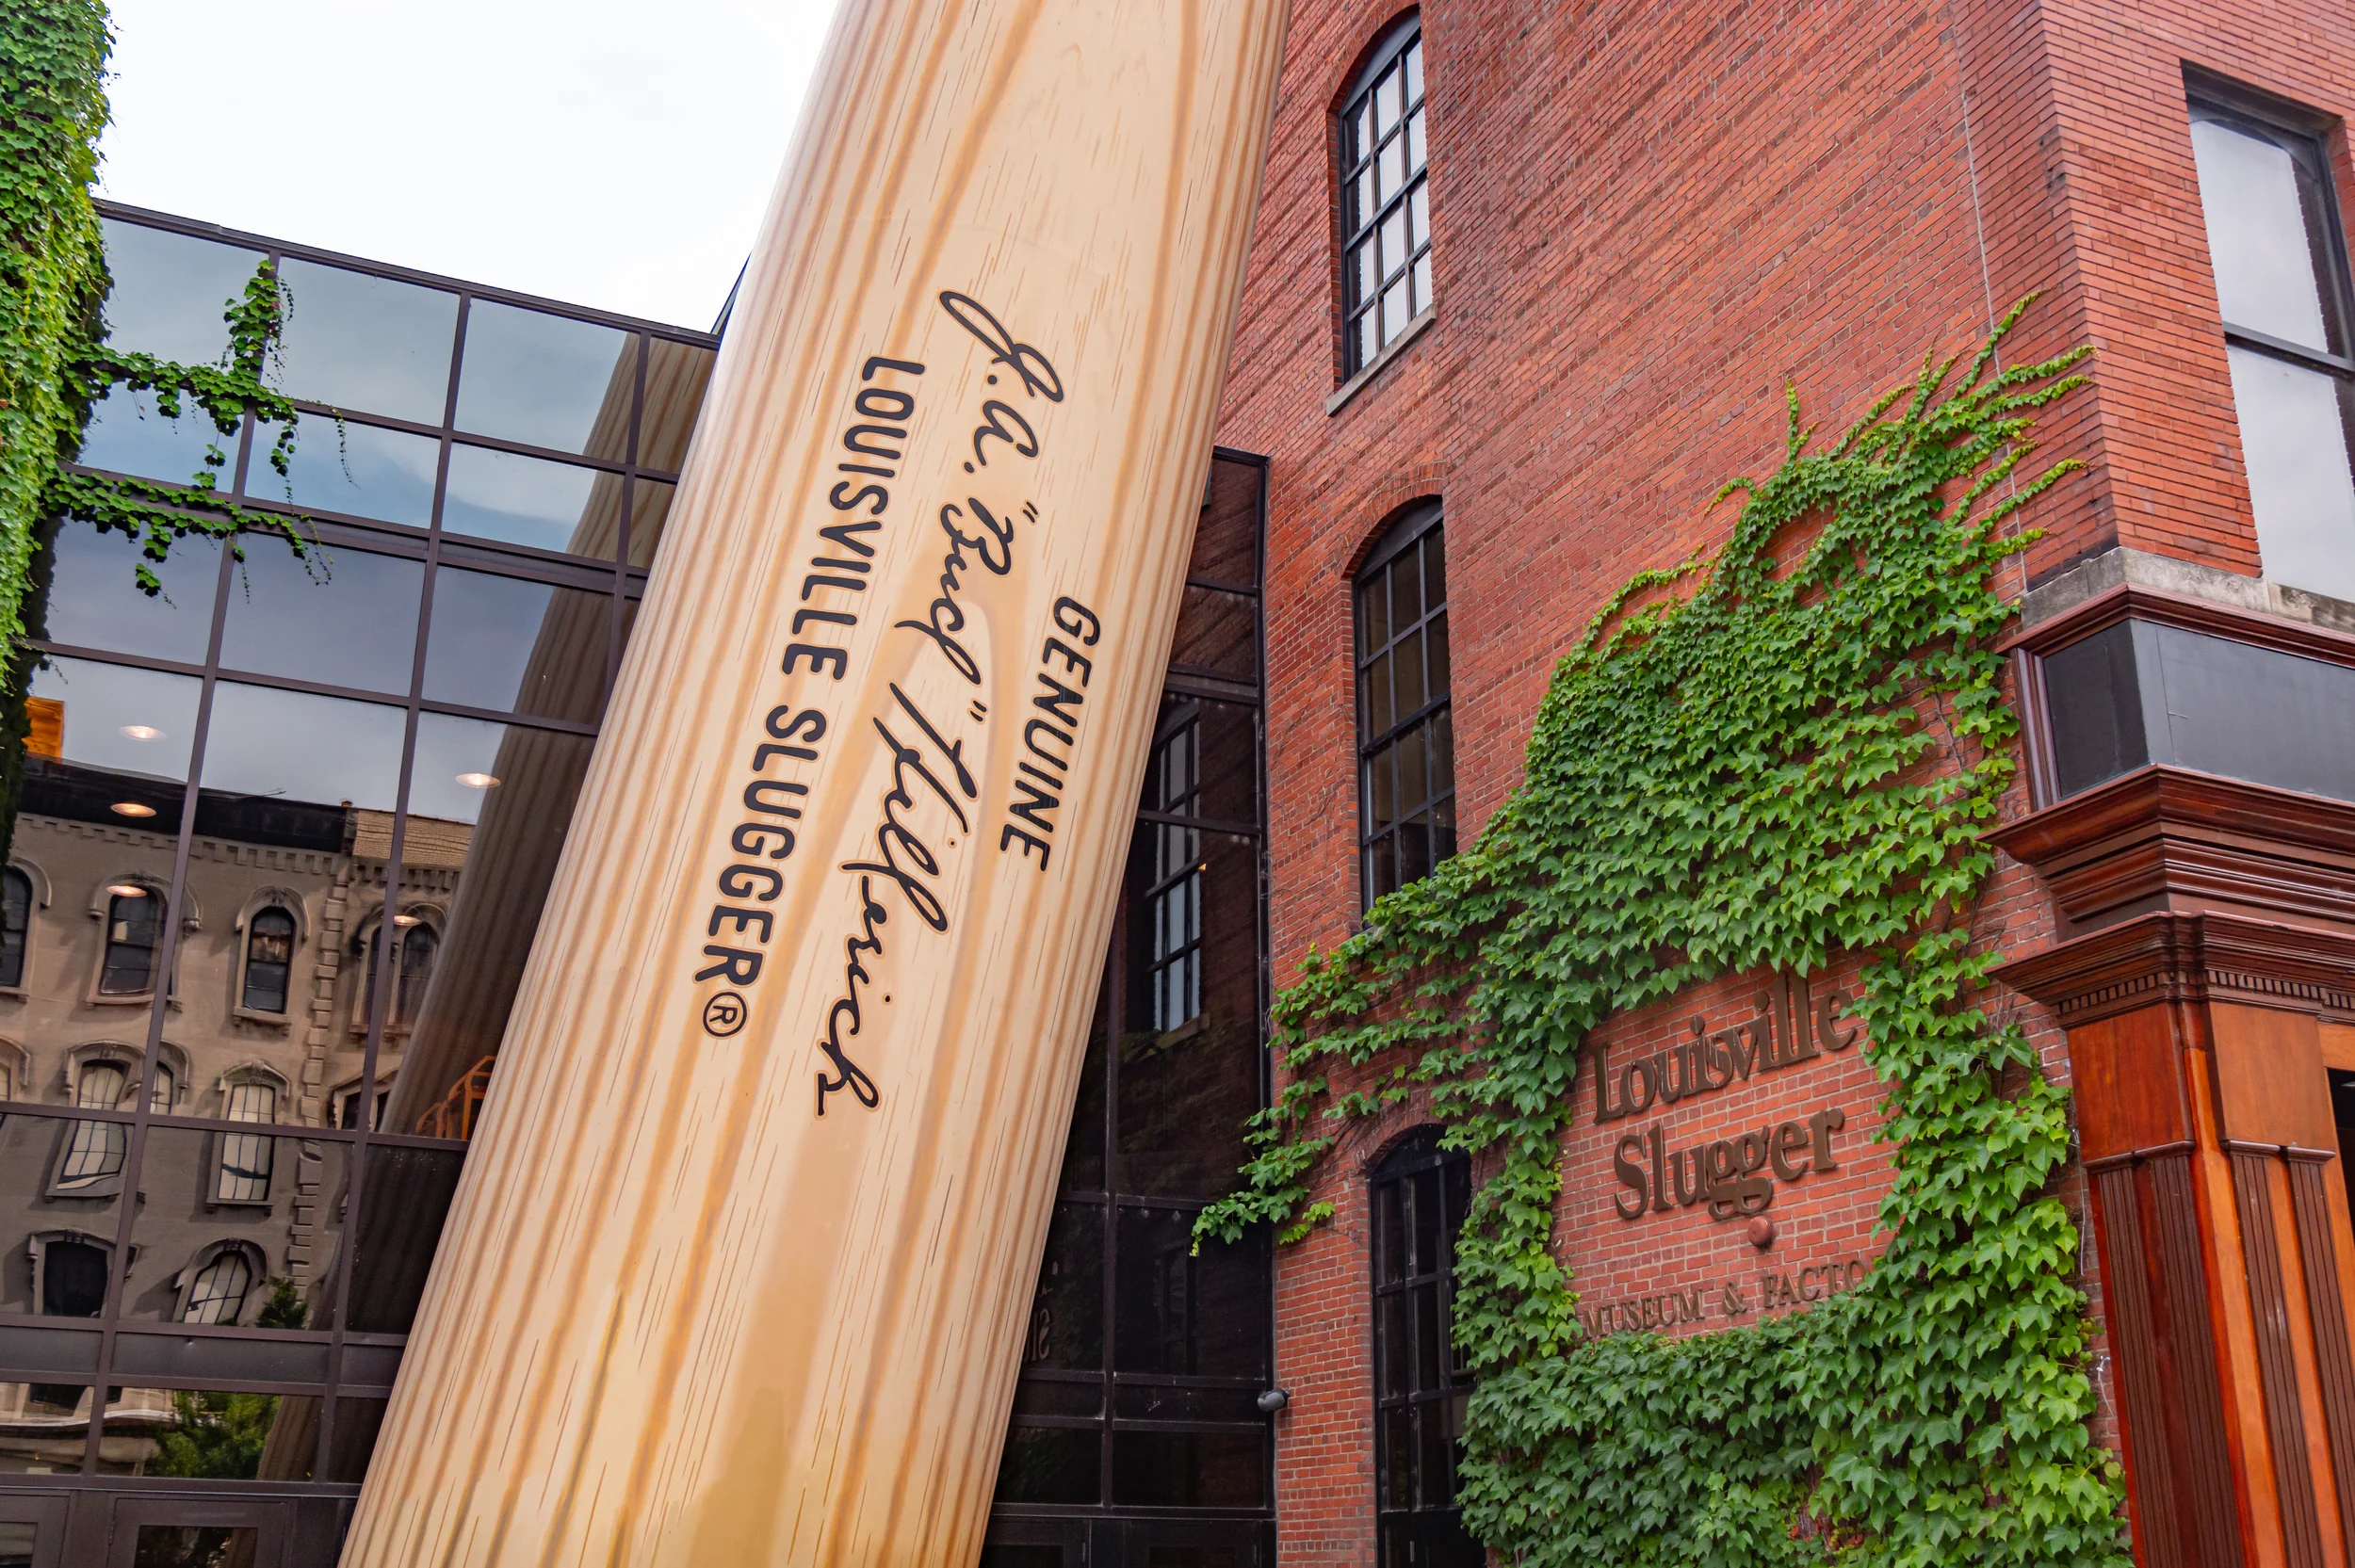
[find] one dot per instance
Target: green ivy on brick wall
(1785, 752)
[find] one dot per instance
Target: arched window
(1406, 725)
(246, 1159)
(16, 916)
(94, 1150)
(1385, 200)
(72, 1275)
(1421, 1380)
(415, 944)
(269, 960)
(134, 926)
(218, 1288)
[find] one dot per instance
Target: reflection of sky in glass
(486, 628)
(94, 600)
(649, 509)
(354, 623)
(127, 435)
(170, 292)
(2264, 272)
(293, 746)
(449, 749)
(103, 700)
(543, 380)
(366, 343)
(361, 470)
(522, 500)
(2300, 482)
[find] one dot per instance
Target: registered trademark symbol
(724, 1014)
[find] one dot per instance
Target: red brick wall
(1649, 216)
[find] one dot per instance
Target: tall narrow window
(94, 1150)
(1385, 201)
(134, 923)
(1405, 736)
(1422, 1381)
(245, 1157)
(1174, 969)
(16, 915)
(2280, 276)
(418, 944)
(269, 960)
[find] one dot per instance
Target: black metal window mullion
(1384, 201)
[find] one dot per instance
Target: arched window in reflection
(16, 914)
(218, 1285)
(72, 1270)
(269, 960)
(415, 944)
(134, 926)
(94, 1150)
(244, 1174)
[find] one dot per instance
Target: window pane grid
(1406, 790)
(1422, 1385)
(1385, 221)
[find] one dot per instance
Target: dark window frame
(1434, 714)
(16, 926)
(1432, 1534)
(255, 936)
(1353, 230)
(2300, 133)
(151, 900)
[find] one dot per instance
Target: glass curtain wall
(283, 837)
(1136, 1435)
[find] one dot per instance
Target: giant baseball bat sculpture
(738, 1270)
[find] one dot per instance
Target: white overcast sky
(608, 153)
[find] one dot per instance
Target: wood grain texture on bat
(741, 1261)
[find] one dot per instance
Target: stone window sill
(1380, 362)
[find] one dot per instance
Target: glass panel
(1361, 138)
(491, 802)
(1424, 1206)
(1406, 589)
(649, 513)
(109, 744)
(2266, 274)
(1418, 212)
(1389, 1234)
(1067, 1308)
(1416, 156)
(64, 1222)
(1428, 1365)
(1189, 1469)
(214, 1436)
(371, 344)
(95, 599)
(1436, 654)
(404, 1200)
(128, 434)
(1386, 101)
(502, 642)
(171, 291)
(1219, 632)
(237, 1227)
(1380, 713)
(547, 381)
(1393, 259)
(1369, 342)
(1389, 175)
(1442, 751)
(1396, 311)
(359, 470)
(1374, 616)
(296, 763)
(1050, 1465)
(335, 616)
(353, 1443)
(1363, 208)
(2292, 428)
(676, 377)
(1414, 72)
(1183, 1314)
(1381, 868)
(1398, 1457)
(1360, 272)
(549, 505)
(1406, 671)
(1413, 762)
(1414, 848)
(1422, 282)
(1382, 788)
(1436, 1456)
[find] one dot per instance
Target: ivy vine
(1781, 753)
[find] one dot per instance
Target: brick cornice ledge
(2189, 958)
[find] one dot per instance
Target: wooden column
(739, 1269)
(2201, 1050)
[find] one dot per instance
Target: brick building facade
(1645, 221)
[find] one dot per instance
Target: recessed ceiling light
(132, 808)
(142, 732)
(127, 890)
(404, 919)
(477, 780)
